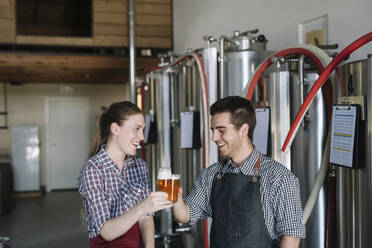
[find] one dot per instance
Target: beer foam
(165, 174)
(176, 176)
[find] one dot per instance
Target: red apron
(130, 239)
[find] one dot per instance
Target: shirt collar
(104, 158)
(107, 162)
(248, 166)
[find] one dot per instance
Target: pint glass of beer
(164, 180)
(174, 187)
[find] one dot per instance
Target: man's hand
(181, 210)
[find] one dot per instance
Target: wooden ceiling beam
(52, 68)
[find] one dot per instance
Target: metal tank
(156, 105)
(307, 151)
(169, 93)
(240, 56)
(285, 88)
(354, 186)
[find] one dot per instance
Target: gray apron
(237, 212)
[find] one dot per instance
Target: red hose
(283, 53)
(322, 78)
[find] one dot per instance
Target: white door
(67, 140)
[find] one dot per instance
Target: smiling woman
(114, 183)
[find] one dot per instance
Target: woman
(114, 183)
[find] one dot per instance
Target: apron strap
(257, 165)
(256, 168)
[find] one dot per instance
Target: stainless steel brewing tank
(240, 68)
(168, 94)
(307, 151)
(284, 93)
(354, 186)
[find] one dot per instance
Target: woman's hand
(154, 202)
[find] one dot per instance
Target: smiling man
(253, 200)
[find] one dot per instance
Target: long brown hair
(117, 112)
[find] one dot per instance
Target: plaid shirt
(107, 193)
(280, 195)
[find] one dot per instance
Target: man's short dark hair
(240, 109)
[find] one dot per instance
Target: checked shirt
(107, 193)
(279, 188)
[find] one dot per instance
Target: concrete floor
(52, 221)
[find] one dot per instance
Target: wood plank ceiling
(47, 68)
(109, 30)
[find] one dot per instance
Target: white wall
(26, 106)
(276, 19)
(349, 20)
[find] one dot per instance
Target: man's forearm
(289, 242)
(181, 211)
(147, 228)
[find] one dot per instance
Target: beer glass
(175, 187)
(168, 183)
(164, 180)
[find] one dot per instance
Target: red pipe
(322, 78)
(283, 53)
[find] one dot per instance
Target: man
(253, 200)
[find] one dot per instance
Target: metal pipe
(132, 50)
(222, 59)
(5, 107)
(172, 99)
(369, 147)
(301, 80)
(154, 169)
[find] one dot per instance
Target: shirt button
(238, 234)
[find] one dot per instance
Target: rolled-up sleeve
(92, 189)
(199, 198)
(288, 209)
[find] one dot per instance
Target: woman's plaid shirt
(107, 193)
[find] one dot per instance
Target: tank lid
(247, 41)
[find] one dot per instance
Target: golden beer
(168, 183)
(163, 184)
(164, 179)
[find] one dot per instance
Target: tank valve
(208, 40)
(278, 60)
(261, 38)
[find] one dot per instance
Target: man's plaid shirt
(279, 188)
